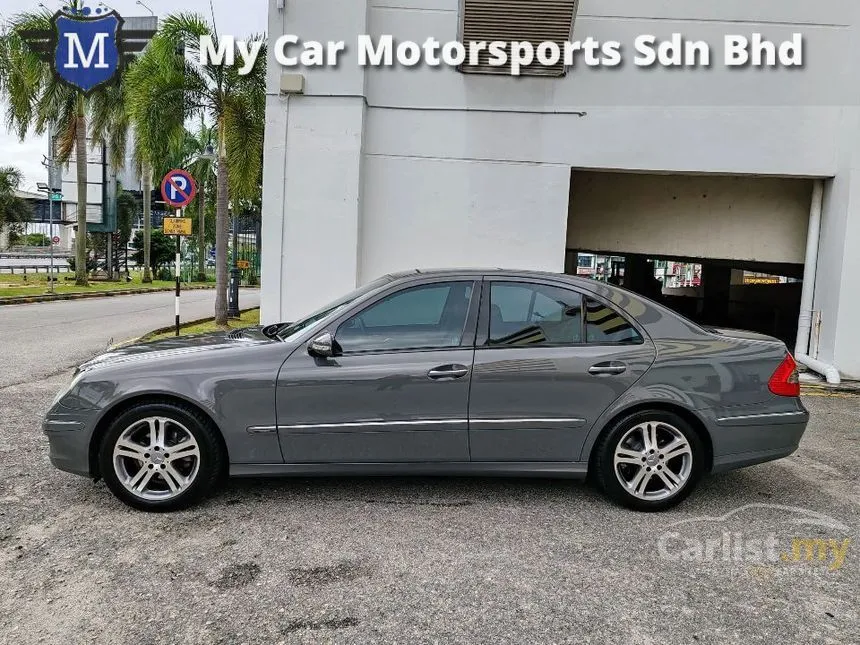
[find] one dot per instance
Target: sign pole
(178, 190)
(51, 234)
(178, 261)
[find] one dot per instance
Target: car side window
(430, 316)
(533, 314)
(604, 325)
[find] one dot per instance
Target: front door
(397, 389)
(549, 360)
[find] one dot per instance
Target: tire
(136, 462)
(653, 479)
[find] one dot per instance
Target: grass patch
(36, 284)
(249, 318)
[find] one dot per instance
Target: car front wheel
(649, 461)
(160, 457)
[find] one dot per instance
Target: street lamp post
(145, 7)
(51, 196)
(53, 190)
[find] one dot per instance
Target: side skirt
(569, 470)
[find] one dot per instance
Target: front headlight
(76, 377)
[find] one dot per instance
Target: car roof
(518, 273)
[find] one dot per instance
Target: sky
(242, 18)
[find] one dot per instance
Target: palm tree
(202, 167)
(165, 83)
(155, 121)
(13, 209)
(37, 98)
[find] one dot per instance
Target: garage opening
(723, 251)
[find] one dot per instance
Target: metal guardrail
(35, 268)
(23, 255)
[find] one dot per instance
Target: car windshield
(286, 331)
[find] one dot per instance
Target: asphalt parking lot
(428, 560)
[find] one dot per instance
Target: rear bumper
(743, 459)
(741, 440)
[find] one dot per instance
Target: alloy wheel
(156, 458)
(653, 461)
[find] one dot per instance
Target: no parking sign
(178, 188)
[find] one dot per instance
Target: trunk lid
(742, 334)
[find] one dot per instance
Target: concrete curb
(849, 388)
(21, 300)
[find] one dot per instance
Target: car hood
(183, 345)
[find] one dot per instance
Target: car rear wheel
(161, 457)
(649, 461)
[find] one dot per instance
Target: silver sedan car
(460, 372)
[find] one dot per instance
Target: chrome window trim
(262, 429)
(553, 420)
(425, 422)
(362, 424)
(765, 415)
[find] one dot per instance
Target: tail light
(785, 380)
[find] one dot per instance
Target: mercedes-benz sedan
(461, 372)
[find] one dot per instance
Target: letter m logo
(86, 53)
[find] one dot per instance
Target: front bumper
(69, 439)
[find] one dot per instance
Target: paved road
(46, 338)
(398, 560)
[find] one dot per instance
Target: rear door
(396, 391)
(548, 361)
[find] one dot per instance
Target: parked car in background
(458, 372)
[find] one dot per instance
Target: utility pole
(51, 235)
(109, 212)
(235, 274)
(53, 190)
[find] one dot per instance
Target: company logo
(86, 50)
(87, 47)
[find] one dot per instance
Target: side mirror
(322, 346)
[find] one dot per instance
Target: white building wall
(826, 26)
(836, 293)
(321, 226)
(787, 141)
(436, 213)
(312, 169)
(441, 168)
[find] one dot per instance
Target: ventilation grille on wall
(535, 21)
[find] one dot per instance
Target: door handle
(448, 371)
(607, 369)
